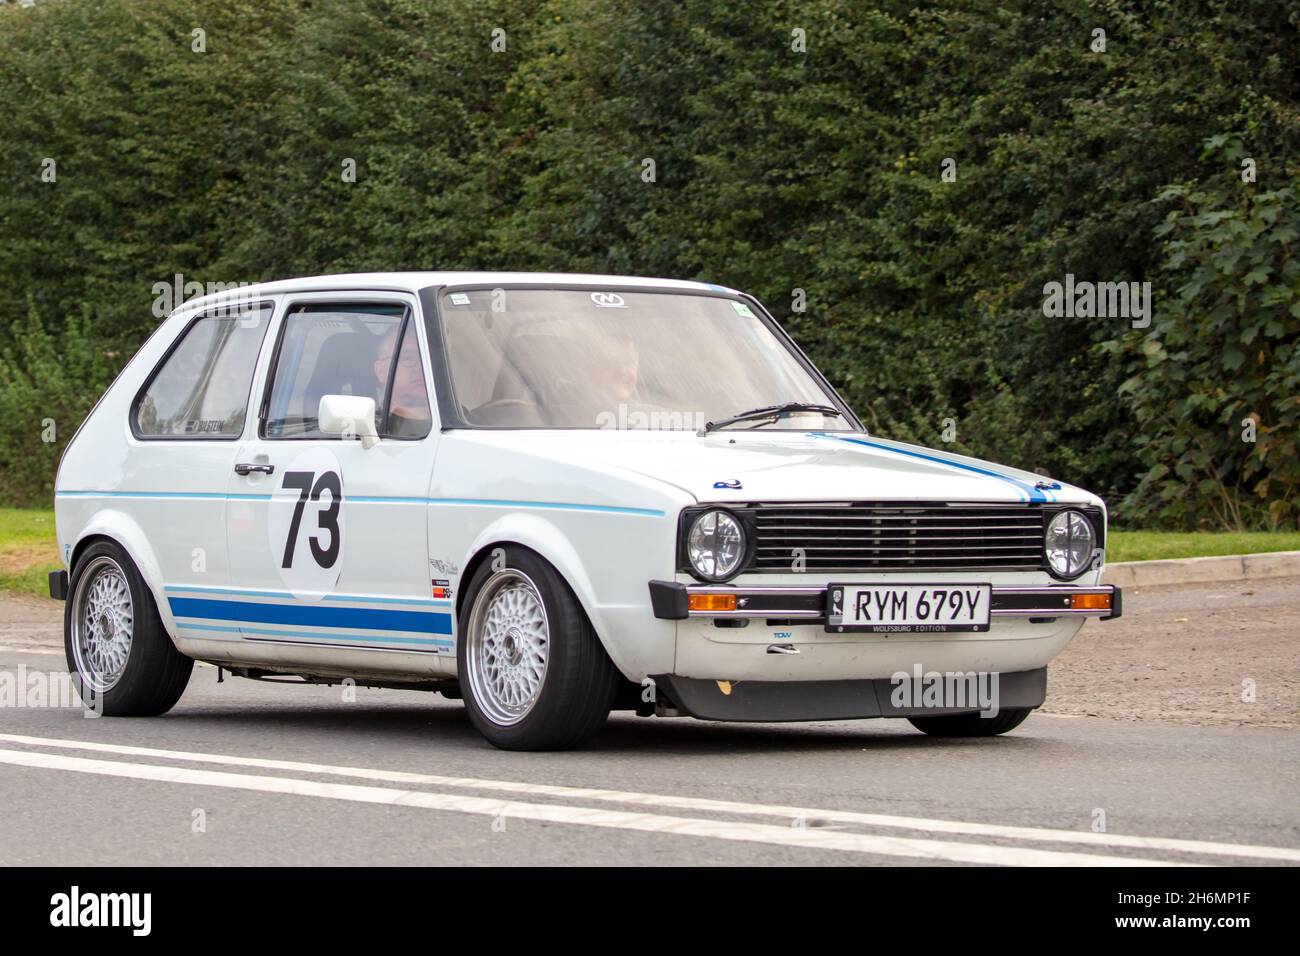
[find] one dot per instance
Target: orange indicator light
(711, 602)
(1090, 602)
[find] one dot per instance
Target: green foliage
(773, 170)
(1216, 386)
(150, 141)
(48, 384)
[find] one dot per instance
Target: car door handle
(247, 468)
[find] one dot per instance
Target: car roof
(414, 281)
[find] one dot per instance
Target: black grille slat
(893, 518)
(861, 537)
(937, 549)
(897, 530)
(894, 538)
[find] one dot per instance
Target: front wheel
(123, 662)
(532, 670)
(971, 725)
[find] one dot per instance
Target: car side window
(200, 389)
(339, 349)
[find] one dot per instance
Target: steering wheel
(504, 403)
(483, 413)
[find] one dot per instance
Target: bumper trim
(669, 601)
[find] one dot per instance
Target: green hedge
(775, 170)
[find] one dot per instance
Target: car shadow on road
(686, 737)
(445, 723)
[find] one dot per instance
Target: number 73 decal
(305, 526)
(310, 485)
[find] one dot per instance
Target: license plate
(931, 608)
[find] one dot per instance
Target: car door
(327, 537)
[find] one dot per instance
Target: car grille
(898, 537)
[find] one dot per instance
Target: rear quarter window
(201, 387)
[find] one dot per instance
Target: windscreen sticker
(459, 298)
(742, 309)
(305, 527)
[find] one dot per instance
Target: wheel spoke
(508, 644)
(103, 619)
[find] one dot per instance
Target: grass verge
(1154, 545)
(27, 550)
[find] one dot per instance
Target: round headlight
(716, 545)
(1069, 543)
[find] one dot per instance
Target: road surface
(246, 773)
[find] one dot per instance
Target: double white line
(800, 827)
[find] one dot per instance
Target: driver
(620, 366)
(408, 406)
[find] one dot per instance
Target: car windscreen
(551, 358)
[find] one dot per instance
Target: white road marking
(701, 804)
(807, 838)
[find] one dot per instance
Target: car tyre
(533, 673)
(122, 660)
(971, 725)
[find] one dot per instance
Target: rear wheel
(532, 671)
(124, 663)
(971, 725)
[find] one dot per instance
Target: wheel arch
(118, 528)
(550, 544)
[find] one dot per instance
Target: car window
(200, 390)
(561, 358)
(333, 349)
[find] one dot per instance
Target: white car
(551, 496)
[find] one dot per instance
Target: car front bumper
(671, 600)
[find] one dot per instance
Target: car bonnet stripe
(1032, 494)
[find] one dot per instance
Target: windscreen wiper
(770, 411)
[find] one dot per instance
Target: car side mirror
(351, 416)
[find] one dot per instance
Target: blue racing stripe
(384, 500)
(560, 505)
(286, 596)
(1033, 494)
(182, 495)
(377, 500)
(379, 619)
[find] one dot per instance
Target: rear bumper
(899, 696)
(670, 600)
